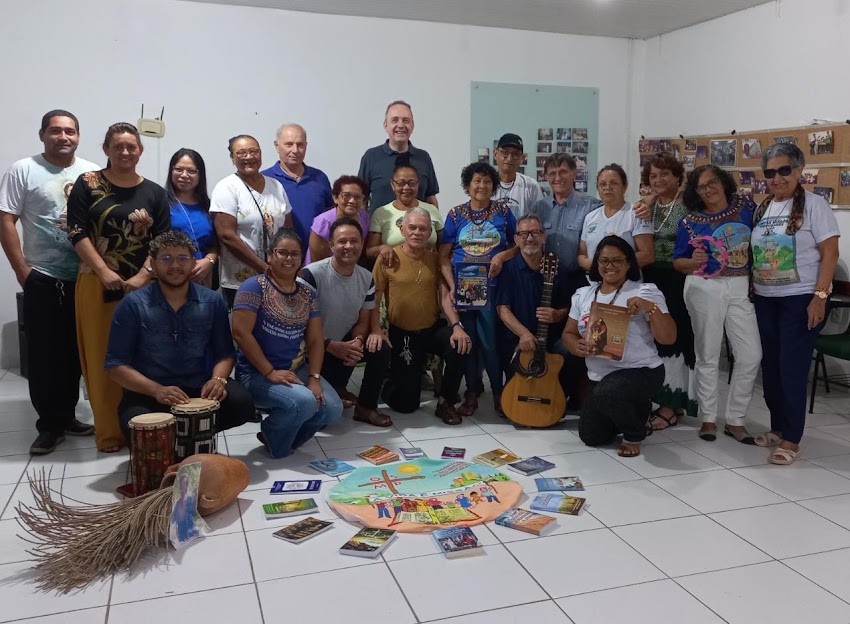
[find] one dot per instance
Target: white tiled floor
(689, 532)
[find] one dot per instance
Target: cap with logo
(511, 140)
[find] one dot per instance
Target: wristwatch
(457, 324)
(822, 293)
(315, 375)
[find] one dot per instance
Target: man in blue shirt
(308, 188)
(170, 341)
(378, 163)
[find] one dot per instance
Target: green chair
(837, 346)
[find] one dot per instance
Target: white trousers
(714, 305)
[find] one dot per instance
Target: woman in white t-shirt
(795, 251)
(628, 371)
(249, 208)
(615, 217)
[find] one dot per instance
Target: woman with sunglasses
(795, 252)
(278, 329)
(619, 398)
(186, 186)
(248, 209)
(615, 217)
(384, 229)
(349, 194)
(713, 251)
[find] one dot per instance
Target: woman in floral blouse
(112, 216)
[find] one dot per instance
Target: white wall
(224, 70)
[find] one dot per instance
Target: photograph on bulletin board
(724, 152)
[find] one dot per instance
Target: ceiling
(634, 19)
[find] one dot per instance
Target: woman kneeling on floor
(620, 389)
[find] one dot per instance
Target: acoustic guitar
(534, 397)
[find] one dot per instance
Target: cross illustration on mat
(385, 480)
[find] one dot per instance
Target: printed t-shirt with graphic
(281, 325)
(341, 297)
(37, 192)
(622, 223)
(194, 222)
(413, 286)
(786, 265)
(730, 228)
(640, 348)
(478, 235)
(386, 220)
(258, 217)
(520, 195)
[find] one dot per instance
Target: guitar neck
(543, 328)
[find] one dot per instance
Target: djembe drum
(196, 427)
(151, 451)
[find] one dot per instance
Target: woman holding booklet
(628, 371)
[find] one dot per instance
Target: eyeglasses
(283, 254)
(254, 151)
(182, 170)
(711, 184)
(510, 155)
(607, 185)
(403, 183)
(617, 263)
(182, 259)
(347, 197)
(525, 234)
(558, 173)
(783, 171)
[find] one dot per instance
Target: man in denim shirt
(170, 341)
(562, 217)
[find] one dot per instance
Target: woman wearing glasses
(186, 186)
(795, 251)
(618, 401)
(349, 195)
(384, 230)
(615, 217)
(278, 329)
(249, 208)
(713, 251)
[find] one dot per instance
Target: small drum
(151, 450)
(196, 427)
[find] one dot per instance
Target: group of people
(120, 278)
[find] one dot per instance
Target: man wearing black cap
(517, 189)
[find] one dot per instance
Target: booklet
(607, 329)
(452, 452)
(531, 466)
(559, 484)
(412, 452)
(368, 542)
(558, 503)
(296, 507)
(472, 286)
(331, 467)
(495, 458)
(296, 487)
(457, 542)
(303, 530)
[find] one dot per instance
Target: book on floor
(331, 467)
(296, 487)
(379, 455)
(368, 542)
(303, 530)
(412, 452)
(531, 466)
(558, 503)
(495, 458)
(452, 452)
(456, 542)
(293, 507)
(527, 521)
(559, 484)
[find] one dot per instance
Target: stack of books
(379, 455)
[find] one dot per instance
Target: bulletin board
(548, 118)
(827, 150)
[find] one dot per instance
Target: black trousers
(401, 392)
(229, 295)
(337, 373)
(54, 372)
(236, 408)
(620, 403)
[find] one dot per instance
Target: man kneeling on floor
(350, 319)
(416, 292)
(170, 341)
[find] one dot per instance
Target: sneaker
(45, 443)
(77, 428)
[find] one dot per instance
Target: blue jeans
(293, 415)
(787, 345)
(486, 354)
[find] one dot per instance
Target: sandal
(469, 405)
(784, 457)
(629, 449)
(669, 421)
(448, 414)
(372, 416)
(744, 437)
(348, 399)
(707, 435)
(768, 439)
(110, 449)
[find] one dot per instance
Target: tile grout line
(401, 589)
(494, 610)
(814, 582)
